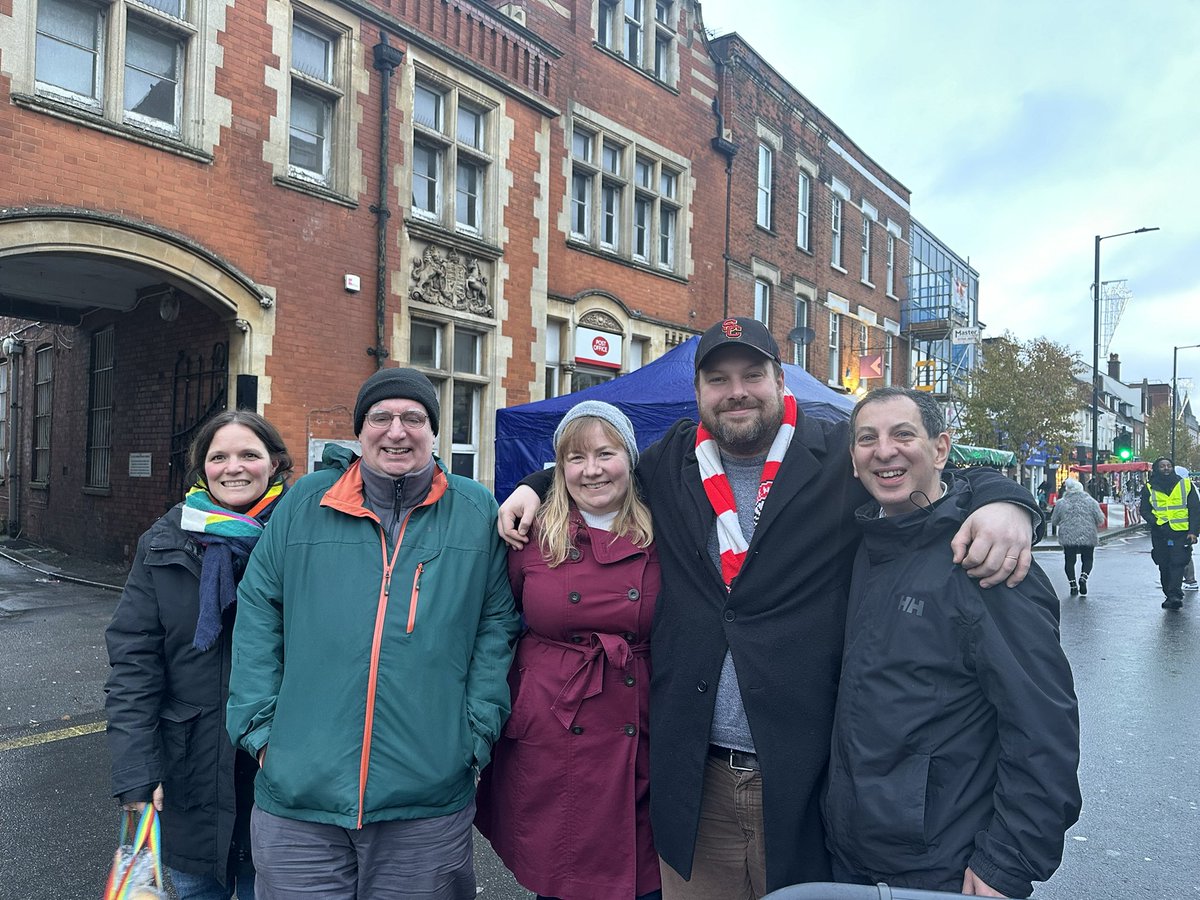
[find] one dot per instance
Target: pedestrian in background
(1171, 509)
(371, 658)
(566, 800)
(169, 645)
(1043, 496)
(1077, 516)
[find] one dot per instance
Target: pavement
(64, 566)
(1134, 667)
(57, 824)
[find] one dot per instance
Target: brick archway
(101, 241)
(86, 248)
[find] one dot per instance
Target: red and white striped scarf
(730, 540)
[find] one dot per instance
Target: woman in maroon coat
(565, 801)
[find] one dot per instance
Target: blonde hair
(554, 517)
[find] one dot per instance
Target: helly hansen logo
(912, 606)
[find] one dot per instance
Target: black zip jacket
(165, 702)
(956, 732)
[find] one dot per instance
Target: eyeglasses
(411, 419)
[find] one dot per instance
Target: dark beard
(745, 443)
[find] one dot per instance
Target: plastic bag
(136, 872)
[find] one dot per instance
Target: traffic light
(1123, 445)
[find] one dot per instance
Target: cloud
(1023, 129)
(1046, 139)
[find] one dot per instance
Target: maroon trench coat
(565, 801)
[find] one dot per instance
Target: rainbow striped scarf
(203, 515)
(228, 538)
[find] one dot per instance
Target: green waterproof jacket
(376, 673)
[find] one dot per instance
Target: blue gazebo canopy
(654, 397)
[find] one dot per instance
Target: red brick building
(209, 203)
(818, 232)
(193, 208)
(634, 253)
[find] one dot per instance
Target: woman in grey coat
(1077, 516)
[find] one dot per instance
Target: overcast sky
(1023, 129)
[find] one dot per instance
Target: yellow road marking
(47, 737)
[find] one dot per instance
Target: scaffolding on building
(937, 324)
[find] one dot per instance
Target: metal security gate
(200, 390)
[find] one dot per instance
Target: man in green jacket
(374, 634)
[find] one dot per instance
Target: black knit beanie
(394, 383)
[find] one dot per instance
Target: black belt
(738, 760)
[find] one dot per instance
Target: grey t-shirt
(729, 725)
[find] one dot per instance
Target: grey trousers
(398, 860)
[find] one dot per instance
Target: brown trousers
(730, 861)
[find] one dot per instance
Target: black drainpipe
(387, 58)
(728, 149)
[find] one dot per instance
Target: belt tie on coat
(588, 680)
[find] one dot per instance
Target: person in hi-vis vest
(1171, 509)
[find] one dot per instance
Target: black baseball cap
(743, 331)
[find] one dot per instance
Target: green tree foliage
(1158, 440)
(1022, 393)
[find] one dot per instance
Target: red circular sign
(600, 346)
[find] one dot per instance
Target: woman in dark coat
(169, 648)
(565, 801)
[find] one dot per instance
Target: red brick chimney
(1114, 367)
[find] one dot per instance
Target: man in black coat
(753, 517)
(956, 736)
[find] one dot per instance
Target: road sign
(870, 366)
(964, 336)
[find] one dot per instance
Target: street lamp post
(1096, 382)
(1175, 390)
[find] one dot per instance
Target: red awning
(1106, 468)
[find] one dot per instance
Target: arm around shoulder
(995, 542)
(988, 486)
